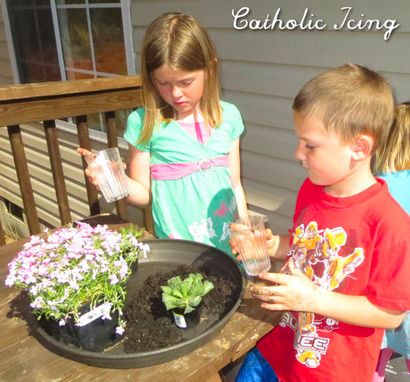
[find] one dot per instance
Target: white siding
(262, 71)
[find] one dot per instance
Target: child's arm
(139, 179)
(297, 292)
(235, 167)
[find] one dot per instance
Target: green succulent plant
(185, 294)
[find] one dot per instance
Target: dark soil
(151, 327)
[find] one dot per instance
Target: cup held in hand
(250, 237)
(109, 171)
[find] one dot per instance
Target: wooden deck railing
(47, 102)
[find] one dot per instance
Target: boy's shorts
(399, 339)
(255, 368)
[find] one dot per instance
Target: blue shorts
(255, 368)
(399, 339)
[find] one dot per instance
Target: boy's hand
(272, 242)
(293, 291)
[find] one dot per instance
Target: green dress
(199, 206)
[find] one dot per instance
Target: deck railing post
(23, 177)
(112, 138)
(2, 236)
(40, 105)
(57, 171)
(84, 142)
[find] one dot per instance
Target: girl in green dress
(184, 142)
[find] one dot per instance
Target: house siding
(262, 71)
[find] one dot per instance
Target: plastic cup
(109, 171)
(250, 237)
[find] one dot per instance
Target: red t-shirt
(355, 245)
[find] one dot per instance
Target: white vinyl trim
(10, 45)
(128, 41)
(59, 46)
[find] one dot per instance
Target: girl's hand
(89, 170)
(272, 241)
(293, 291)
(234, 243)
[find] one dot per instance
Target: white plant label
(179, 320)
(97, 312)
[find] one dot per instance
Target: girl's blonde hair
(349, 100)
(394, 154)
(180, 42)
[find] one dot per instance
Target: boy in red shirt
(348, 256)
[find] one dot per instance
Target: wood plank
(2, 236)
(23, 358)
(64, 88)
(40, 109)
(112, 139)
(148, 219)
(57, 171)
(24, 178)
(84, 142)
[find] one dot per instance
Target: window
(70, 39)
(13, 209)
(57, 40)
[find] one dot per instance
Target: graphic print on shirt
(316, 253)
(202, 229)
(222, 210)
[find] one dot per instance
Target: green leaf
(185, 294)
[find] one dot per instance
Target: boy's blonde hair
(180, 42)
(349, 100)
(394, 154)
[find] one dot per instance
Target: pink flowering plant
(75, 266)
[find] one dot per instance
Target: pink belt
(171, 171)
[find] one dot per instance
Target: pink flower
(74, 266)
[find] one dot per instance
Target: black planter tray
(164, 256)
